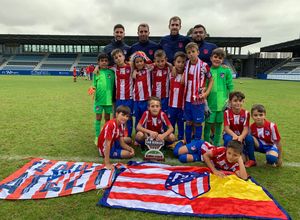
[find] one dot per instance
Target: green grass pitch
(52, 117)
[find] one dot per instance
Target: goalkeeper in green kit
(218, 96)
(102, 89)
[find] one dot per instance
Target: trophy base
(154, 158)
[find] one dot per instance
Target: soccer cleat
(96, 141)
(250, 163)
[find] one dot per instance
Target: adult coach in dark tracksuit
(205, 48)
(144, 44)
(117, 42)
(174, 42)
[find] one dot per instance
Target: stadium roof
(288, 46)
(103, 40)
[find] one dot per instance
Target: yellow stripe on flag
(232, 186)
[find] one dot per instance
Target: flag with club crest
(183, 190)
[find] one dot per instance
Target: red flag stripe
(143, 175)
(140, 185)
(20, 171)
(194, 187)
(18, 193)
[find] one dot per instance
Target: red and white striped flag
(41, 178)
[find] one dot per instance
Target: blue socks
(129, 127)
(188, 133)
(249, 145)
(198, 132)
(183, 158)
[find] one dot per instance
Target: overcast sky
(274, 21)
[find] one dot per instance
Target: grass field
(52, 117)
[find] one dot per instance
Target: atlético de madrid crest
(188, 184)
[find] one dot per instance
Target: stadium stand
(85, 60)
(266, 65)
(291, 69)
(287, 71)
(22, 62)
(55, 66)
(49, 61)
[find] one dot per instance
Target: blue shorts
(139, 108)
(263, 148)
(194, 113)
(115, 151)
(127, 102)
(175, 114)
(195, 146)
(164, 104)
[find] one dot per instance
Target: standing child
(103, 86)
(216, 158)
(124, 83)
(111, 141)
(265, 136)
(160, 79)
(218, 95)
(153, 122)
(175, 110)
(141, 84)
(195, 76)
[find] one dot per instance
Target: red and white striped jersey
(160, 82)
(220, 161)
(268, 134)
(236, 122)
(206, 146)
(176, 91)
(124, 83)
(142, 85)
(195, 79)
(110, 132)
(154, 123)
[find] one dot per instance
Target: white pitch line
(173, 161)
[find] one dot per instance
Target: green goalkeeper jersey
(104, 84)
(221, 88)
